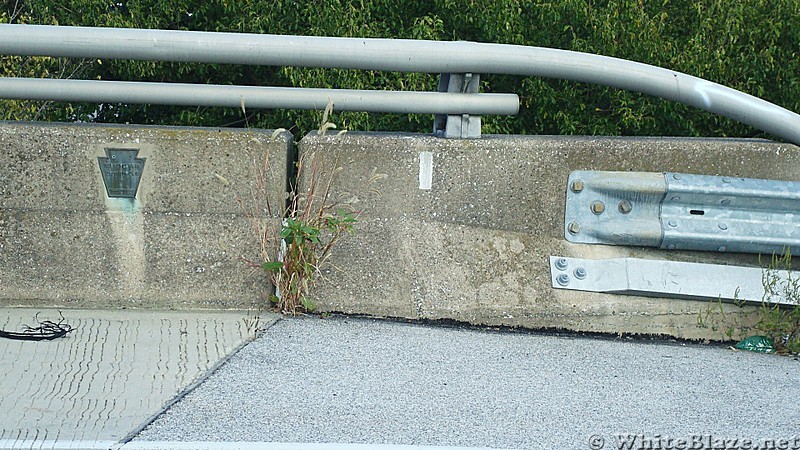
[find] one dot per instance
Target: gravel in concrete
(363, 381)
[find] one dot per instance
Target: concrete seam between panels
(194, 385)
(292, 160)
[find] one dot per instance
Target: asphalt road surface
(360, 381)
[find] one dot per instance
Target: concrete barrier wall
(63, 242)
(469, 241)
(474, 245)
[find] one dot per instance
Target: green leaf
(308, 304)
(272, 266)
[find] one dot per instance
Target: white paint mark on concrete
(425, 170)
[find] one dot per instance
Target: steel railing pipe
(398, 55)
(257, 97)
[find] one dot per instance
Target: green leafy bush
(750, 46)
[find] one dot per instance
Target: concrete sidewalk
(111, 375)
(345, 380)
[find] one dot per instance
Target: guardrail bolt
(672, 247)
(563, 279)
(672, 223)
(574, 228)
(723, 227)
(723, 249)
(725, 202)
(577, 186)
(580, 273)
(625, 207)
(598, 207)
(676, 176)
(561, 264)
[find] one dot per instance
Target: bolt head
(563, 279)
(673, 223)
(580, 273)
(725, 201)
(625, 207)
(574, 228)
(723, 227)
(598, 207)
(672, 247)
(561, 264)
(723, 249)
(577, 186)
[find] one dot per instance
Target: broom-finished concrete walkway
(108, 377)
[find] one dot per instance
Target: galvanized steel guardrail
(370, 54)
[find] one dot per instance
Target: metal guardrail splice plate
(676, 211)
(673, 279)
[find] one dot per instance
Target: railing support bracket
(459, 126)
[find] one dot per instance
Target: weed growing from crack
(779, 322)
(313, 222)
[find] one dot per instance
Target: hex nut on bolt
(563, 279)
(580, 273)
(561, 264)
(625, 207)
(577, 186)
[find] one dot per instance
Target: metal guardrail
(457, 58)
(678, 211)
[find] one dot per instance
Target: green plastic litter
(760, 344)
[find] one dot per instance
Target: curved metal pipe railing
(398, 55)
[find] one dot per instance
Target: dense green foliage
(751, 45)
